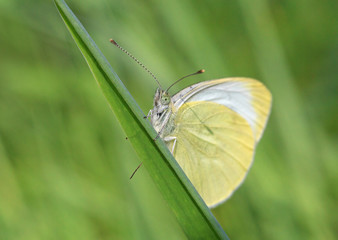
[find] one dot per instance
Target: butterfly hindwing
(214, 147)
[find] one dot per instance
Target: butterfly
(212, 129)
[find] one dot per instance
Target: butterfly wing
(247, 97)
(214, 146)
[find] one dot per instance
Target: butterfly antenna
(135, 59)
(192, 74)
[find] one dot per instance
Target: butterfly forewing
(248, 97)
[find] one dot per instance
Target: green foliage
(64, 160)
(198, 222)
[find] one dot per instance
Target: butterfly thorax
(162, 113)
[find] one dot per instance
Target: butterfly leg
(168, 139)
(149, 114)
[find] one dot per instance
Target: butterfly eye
(165, 100)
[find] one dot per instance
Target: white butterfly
(212, 129)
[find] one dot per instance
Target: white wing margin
(248, 97)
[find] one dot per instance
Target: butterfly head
(162, 107)
(162, 98)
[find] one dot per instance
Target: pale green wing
(248, 97)
(214, 147)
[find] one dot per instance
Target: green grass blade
(193, 215)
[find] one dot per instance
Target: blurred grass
(63, 177)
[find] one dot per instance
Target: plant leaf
(193, 215)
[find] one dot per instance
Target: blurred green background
(64, 160)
